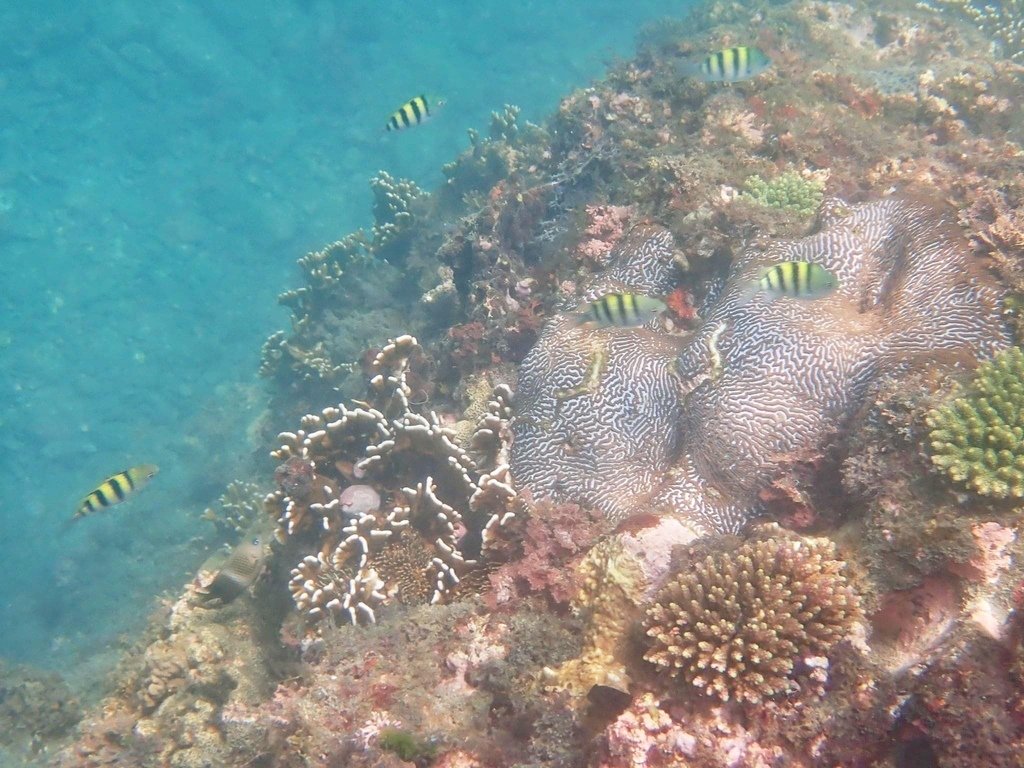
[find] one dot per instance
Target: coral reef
(760, 383)
(640, 445)
(36, 710)
(444, 505)
(167, 707)
(238, 508)
(1003, 22)
(737, 624)
(790, 191)
(978, 439)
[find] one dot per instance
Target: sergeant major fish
(621, 310)
(795, 279)
(414, 112)
(116, 489)
(730, 65)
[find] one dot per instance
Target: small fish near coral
(241, 570)
(115, 489)
(797, 279)
(415, 111)
(619, 310)
(730, 65)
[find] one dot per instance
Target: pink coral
(553, 536)
(605, 227)
(991, 540)
(643, 735)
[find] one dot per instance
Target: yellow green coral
(790, 191)
(978, 439)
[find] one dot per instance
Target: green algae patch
(407, 747)
(978, 439)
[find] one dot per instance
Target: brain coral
(735, 624)
(979, 439)
(634, 419)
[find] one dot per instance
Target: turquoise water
(163, 165)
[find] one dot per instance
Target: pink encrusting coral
(605, 226)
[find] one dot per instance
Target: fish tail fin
(748, 291)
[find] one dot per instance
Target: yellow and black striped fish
(731, 65)
(797, 279)
(622, 310)
(413, 112)
(116, 489)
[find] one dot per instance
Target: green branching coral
(979, 438)
(789, 191)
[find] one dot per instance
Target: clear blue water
(162, 166)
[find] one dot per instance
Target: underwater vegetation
(521, 519)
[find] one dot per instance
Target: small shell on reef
(357, 500)
(239, 572)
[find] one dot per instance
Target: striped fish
(620, 310)
(797, 279)
(413, 112)
(116, 489)
(731, 65)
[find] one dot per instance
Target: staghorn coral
(740, 624)
(977, 439)
(631, 420)
(444, 505)
(790, 191)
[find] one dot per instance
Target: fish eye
(256, 541)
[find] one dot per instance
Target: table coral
(637, 419)
(978, 439)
